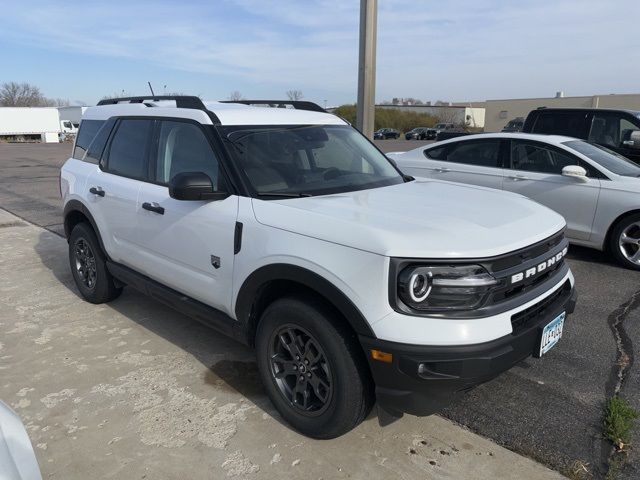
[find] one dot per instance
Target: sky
(450, 50)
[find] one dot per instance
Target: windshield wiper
(283, 194)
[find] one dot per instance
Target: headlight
(444, 288)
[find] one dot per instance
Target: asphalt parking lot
(548, 409)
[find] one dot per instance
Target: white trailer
(25, 124)
(72, 114)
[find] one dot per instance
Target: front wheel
(312, 368)
(624, 242)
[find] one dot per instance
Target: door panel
(187, 245)
(535, 173)
(177, 246)
(115, 188)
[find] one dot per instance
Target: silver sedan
(595, 189)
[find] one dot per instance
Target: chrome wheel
(300, 369)
(629, 243)
(85, 262)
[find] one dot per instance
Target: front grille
(523, 319)
(524, 255)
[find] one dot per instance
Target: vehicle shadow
(231, 366)
(591, 255)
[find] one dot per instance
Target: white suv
(288, 230)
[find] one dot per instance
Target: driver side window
(183, 147)
(532, 157)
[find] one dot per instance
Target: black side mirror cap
(194, 186)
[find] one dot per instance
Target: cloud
(428, 49)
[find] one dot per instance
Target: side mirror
(575, 171)
(194, 186)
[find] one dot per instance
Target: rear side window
(484, 153)
(128, 149)
(569, 124)
(86, 134)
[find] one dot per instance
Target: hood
(423, 219)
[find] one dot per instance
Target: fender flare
(250, 290)
(77, 206)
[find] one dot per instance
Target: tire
(336, 393)
(624, 242)
(89, 268)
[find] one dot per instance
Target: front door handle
(442, 170)
(517, 178)
(97, 191)
(153, 207)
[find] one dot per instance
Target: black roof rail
(182, 101)
(297, 104)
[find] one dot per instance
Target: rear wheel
(312, 368)
(624, 242)
(88, 266)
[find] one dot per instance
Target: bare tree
(14, 94)
(58, 102)
(235, 96)
(449, 115)
(294, 94)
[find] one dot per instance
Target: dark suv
(618, 130)
(385, 133)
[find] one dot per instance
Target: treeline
(14, 94)
(390, 118)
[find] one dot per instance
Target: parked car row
(418, 133)
(289, 231)
(596, 189)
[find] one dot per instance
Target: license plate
(551, 333)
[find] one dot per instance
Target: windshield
(609, 159)
(440, 125)
(304, 160)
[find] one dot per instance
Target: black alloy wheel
(300, 368)
(85, 262)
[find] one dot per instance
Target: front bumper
(421, 380)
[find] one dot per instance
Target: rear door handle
(442, 170)
(97, 191)
(517, 178)
(153, 207)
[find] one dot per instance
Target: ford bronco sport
(288, 230)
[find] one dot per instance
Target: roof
(585, 109)
(226, 113)
(553, 139)
(239, 114)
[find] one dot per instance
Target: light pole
(367, 67)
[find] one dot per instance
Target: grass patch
(577, 471)
(619, 419)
